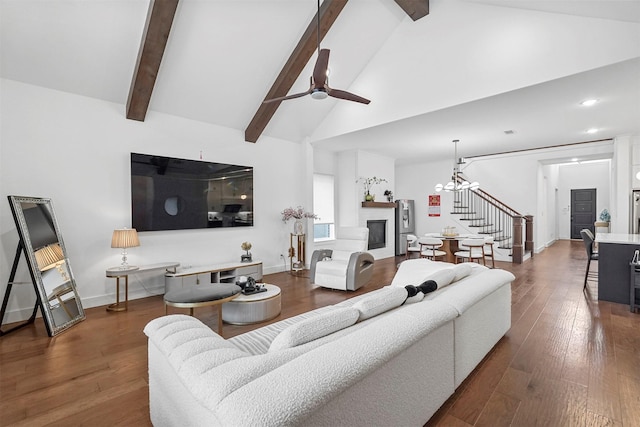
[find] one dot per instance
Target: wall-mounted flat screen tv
(177, 194)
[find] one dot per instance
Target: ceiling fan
(319, 88)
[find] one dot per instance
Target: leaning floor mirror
(48, 263)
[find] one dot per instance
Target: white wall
(581, 176)
(75, 150)
(514, 179)
(348, 167)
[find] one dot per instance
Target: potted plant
(389, 195)
(368, 183)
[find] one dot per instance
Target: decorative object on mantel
(605, 216)
(454, 185)
(368, 183)
(246, 246)
(389, 195)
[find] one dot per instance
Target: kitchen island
(615, 253)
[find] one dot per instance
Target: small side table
(119, 272)
(297, 252)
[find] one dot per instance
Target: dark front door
(583, 211)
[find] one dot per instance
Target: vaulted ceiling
(470, 69)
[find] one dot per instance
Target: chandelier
(457, 183)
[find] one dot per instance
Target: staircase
(481, 213)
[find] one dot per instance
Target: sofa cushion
(315, 327)
(463, 297)
(332, 267)
(389, 297)
(343, 256)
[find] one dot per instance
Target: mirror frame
(17, 210)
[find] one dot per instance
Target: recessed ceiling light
(589, 102)
(575, 159)
(592, 130)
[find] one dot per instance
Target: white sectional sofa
(393, 368)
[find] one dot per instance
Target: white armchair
(347, 266)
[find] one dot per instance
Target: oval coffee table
(253, 308)
(202, 296)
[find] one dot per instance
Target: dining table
(450, 244)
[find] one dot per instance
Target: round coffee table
(253, 308)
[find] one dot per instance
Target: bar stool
(587, 238)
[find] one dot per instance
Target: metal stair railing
(491, 216)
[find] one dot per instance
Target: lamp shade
(48, 256)
(125, 238)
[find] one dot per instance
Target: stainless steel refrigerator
(634, 227)
(405, 224)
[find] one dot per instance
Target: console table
(119, 272)
(216, 273)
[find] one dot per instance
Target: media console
(215, 273)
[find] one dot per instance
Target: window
(323, 227)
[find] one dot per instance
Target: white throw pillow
(387, 298)
(315, 327)
(416, 298)
(461, 271)
(442, 277)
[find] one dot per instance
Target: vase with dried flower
(299, 215)
(368, 183)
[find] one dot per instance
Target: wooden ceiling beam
(329, 11)
(154, 40)
(416, 9)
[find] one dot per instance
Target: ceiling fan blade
(284, 98)
(343, 94)
(320, 70)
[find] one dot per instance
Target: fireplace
(377, 233)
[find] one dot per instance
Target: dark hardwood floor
(568, 360)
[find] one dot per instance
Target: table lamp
(124, 238)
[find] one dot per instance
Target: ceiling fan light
(450, 186)
(465, 185)
(474, 185)
(319, 94)
(439, 187)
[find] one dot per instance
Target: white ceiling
(470, 70)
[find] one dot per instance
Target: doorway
(583, 211)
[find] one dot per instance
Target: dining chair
(429, 248)
(488, 249)
(474, 251)
(588, 238)
(412, 246)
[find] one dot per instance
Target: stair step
(482, 225)
(462, 212)
(493, 231)
(475, 218)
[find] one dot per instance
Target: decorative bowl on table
(449, 232)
